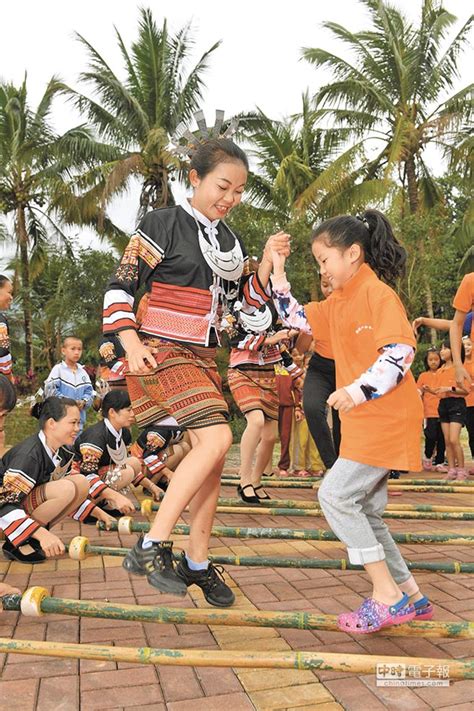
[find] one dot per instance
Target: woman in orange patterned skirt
(193, 266)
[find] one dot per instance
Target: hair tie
(364, 220)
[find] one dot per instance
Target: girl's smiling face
(467, 346)
(220, 190)
(336, 266)
(445, 353)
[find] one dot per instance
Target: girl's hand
(280, 243)
(140, 360)
(341, 400)
(278, 261)
(299, 414)
(51, 544)
(6, 589)
(416, 324)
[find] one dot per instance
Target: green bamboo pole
(316, 479)
(127, 525)
(146, 508)
(317, 513)
(393, 487)
(79, 549)
(36, 602)
(355, 663)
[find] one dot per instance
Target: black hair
(3, 280)
(7, 394)
(72, 337)
(428, 352)
(115, 400)
(447, 344)
(382, 251)
(55, 407)
(218, 150)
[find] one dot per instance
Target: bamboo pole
(127, 525)
(79, 549)
(317, 513)
(36, 602)
(355, 663)
(316, 479)
(446, 489)
(148, 505)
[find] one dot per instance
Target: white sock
(148, 542)
(192, 565)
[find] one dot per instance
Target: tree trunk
(413, 200)
(25, 286)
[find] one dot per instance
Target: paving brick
(274, 678)
(61, 694)
(438, 697)
(179, 683)
(395, 698)
(44, 669)
(282, 698)
(354, 695)
(98, 699)
(18, 697)
(215, 681)
(119, 678)
(229, 702)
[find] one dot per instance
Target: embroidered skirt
(255, 389)
(185, 385)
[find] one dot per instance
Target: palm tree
(395, 96)
(138, 112)
(35, 167)
(393, 93)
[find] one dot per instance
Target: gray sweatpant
(353, 497)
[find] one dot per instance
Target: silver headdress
(184, 142)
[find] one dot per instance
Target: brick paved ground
(29, 682)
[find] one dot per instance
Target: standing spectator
(70, 379)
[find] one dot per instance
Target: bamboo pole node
(125, 524)
(31, 601)
(147, 508)
(78, 548)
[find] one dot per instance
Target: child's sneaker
(156, 562)
(427, 465)
(452, 474)
(462, 474)
(441, 468)
(210, 580)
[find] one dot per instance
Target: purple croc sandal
(373, 616)
(424, 609)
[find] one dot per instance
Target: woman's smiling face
(220, 190)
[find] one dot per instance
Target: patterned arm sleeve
(90, 457)
(253, 294)
(289, 310)
(144, 252)
(384, 375)
(247, 341)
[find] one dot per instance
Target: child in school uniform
(434, 438)
(376, 396)
(70, 379)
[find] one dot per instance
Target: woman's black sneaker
(13, 553)
(247, 498)
(210, 580)
(156, 562)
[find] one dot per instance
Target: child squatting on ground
(376, 396)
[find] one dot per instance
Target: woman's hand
(140, 360)
(121, 502)
(50, 544)
(341, 400)
(103, 516)
(280, 243)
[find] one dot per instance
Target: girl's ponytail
(384, 252)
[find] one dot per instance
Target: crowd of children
(158, 371)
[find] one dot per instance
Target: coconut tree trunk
(22, 236)
(414, 202)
